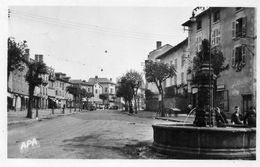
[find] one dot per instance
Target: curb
(167, 119)
(39, 119)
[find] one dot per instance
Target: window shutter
(233, 29)
(243, 55)
(244, 22)
(218, 35)
(233, 58)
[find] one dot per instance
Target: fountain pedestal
(205, 79)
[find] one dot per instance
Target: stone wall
(178, 102)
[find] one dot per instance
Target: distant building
(103, 86)
(177, 56)
(153, 55)
(62, 96)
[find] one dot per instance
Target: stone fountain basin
(189, 142)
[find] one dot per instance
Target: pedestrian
(250, 117)
(63, 109)
(220, 117)
(189, 108)
(236, 117)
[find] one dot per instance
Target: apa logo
(26, 145)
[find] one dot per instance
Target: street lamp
(193, 19)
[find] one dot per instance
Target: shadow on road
(92, 147)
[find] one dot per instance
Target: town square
(131, 82)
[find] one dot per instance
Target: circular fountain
(190, 142)
(202, 139)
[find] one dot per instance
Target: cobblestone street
(96, 135)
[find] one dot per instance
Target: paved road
(94, 134)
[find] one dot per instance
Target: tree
(34, 78)
(135, 80)
(158, 72)
(126, 92)
(149, 94)
(75, 91)
(103, 97)
(215, 59)
(88, 96)
(16, 52)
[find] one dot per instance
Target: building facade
(104, 86)
(153, 55)
(177, 56)
(233, 32)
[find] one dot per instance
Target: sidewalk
(151, 114)
(20, 116)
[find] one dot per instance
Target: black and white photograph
(114, 81)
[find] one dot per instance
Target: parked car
(113, 108)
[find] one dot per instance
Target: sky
(82, 40)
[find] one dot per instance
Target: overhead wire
(88, 27)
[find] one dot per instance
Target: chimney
(27, 54)
(158, 44)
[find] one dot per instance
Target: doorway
(247, 102)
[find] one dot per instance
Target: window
(199, 41)
(182, 77)
(106, 89)
(199, 25)
(175, 63)
(88, 89)
(238, 59)
(215, 37)
(216, 16)
(96, 91)
(182, 60)
(239, 27)
(111, 90)
(175, 80)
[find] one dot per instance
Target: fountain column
(205, 80)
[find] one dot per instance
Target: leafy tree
(88, 96)
(135, 80)
(16, 52)
(158, 72)
(217, 59)
(75, 91)
(126, 92)
(103, 97)
(149, 94)
(211, 56)
(34, 78)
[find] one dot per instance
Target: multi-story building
(177, 56)
(103, 86)
(84, 85)
(63, 97)
(18, 93)
(41, 91)
(153, 55)
(233, 32)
